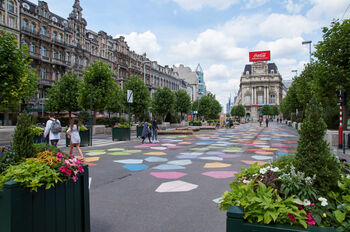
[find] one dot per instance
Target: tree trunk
(94, 117)
(6, 117)
(70, 116)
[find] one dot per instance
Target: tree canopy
(141, 96)
(163, 102)
(182, 102)
(98, 78)
(209, 107)
(18, 80)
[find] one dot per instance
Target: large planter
(139, 131)
(235, 223)
(120, 134)
(85, 138)
(65, 207)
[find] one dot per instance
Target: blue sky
(218, 34)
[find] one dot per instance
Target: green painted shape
(95, 153)
(133, 151)
(199, 149)
(214, 147)
(90, 151)
(120, 153)
(116, 149)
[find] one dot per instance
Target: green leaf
(340, 216)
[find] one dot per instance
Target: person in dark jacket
(267, 122)
(146, 132)
(154, 130)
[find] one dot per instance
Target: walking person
(260, 120)
(53, 129)
(154, 130)
(73, 134)
(145, 132)
(267, 122)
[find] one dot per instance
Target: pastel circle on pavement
(168, 167)
(180, 162)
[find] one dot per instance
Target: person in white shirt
(75, 137)
(53, 137)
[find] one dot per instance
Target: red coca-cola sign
(259, 56)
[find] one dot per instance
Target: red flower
(300, 207)
(310, 220)
(291, 217)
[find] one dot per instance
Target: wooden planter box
(121, 134)
(235, 223)
(65, 207)
(85, 139)
(139, 131)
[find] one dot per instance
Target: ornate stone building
(260, 84)
(57, 45)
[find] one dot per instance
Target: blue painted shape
(204, 143)
(168, 167)
(284, 153)
(187, 156)
(156, 159)
(135, 167)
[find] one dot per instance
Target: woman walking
(73, 133)
(146, 132)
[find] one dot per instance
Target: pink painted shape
(168, 175)
(278, 145)
(250, 162)
(220, 174)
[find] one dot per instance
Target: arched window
(54, 35)
(59, 37)
(43, 30)
(11, 7)
(43, 51)
(54, 54)
(32, 27)
(43, 73)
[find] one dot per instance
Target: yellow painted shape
(270, 149)
(92, 159)
(155, 153)
(216, 165)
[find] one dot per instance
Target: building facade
(57, 45)
(196, 85)
(260, 84)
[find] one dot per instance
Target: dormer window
(272, 71)
(25, 5)
(54, 19)
(247, 73)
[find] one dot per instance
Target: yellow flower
(324, 215)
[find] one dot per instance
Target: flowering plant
(69, 166)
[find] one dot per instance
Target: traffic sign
(129, 96)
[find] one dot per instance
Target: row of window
(11, 6)
(260, 100)
(43, 30)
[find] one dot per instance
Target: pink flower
(312, 204)
(310, 220)
(246, 181)
(80, 168)
(68, 172)
(75, 178)
(63, 169)
(291, 217)
(59, 155)
(300, 207)
(67, 162)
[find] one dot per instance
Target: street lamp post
(90, 115)
(309, 43)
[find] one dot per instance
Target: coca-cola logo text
(259, 56)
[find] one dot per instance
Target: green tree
(163, 102)
(182, 102)
(141, 96)
(64, 94)
(99, 78)
(234, 111)
(23, 137)
(313, 155)
(18, 81)
(209, 107)
(266, 110)
(240, 111)
(275, 110)
(115, 102)
(215, 109)
(195, 105)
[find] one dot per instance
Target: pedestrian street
(174, 185)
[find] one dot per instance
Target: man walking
(53, 129)
(267, 122)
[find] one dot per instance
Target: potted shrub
(121, 132)
(139, 130)
(307, 191)
(38, 133)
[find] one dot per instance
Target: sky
(217, 34)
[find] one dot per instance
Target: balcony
(58, 62)
(45, 37)
(27, 31)
(46, 82)
(58, 42)
(123, 65)
(45, 58)
(136, 69)
(34, 55)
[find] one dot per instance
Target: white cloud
(327, 10)
(255, 3)
(143, 42)
(210, 45)
(293, 7)
(284, 47)
(199, 4)
(281, 25)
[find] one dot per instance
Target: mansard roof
(271, 66)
